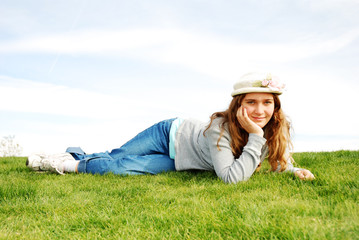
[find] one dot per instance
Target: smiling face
(260, 107)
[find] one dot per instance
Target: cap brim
(254, 90)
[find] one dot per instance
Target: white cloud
(218, 57)
(315, 143)
(36, 97)
(321, 103)
(53, 99)
(336, 5)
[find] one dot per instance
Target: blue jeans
(148, 152)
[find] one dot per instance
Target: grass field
(183, 205)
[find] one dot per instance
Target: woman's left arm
(302, 173)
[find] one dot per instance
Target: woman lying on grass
(233, 144)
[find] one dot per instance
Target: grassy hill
(183, 205)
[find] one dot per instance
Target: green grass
(183, 205)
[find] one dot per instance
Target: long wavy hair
(276, 132)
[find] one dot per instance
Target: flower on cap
(273, 83)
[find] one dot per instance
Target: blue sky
(93, 73)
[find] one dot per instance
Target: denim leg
(148, 152)
(130, 165)
(153, 164)
(153, 140)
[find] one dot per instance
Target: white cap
(258, 82)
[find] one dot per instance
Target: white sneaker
(43, 162)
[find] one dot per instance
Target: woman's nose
(259, 109)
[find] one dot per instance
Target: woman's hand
(304, 174)
(247, 123)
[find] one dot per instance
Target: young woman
(233, 144)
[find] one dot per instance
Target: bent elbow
(233, 178)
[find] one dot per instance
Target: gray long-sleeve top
(197, 151)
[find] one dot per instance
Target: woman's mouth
(258, 119)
